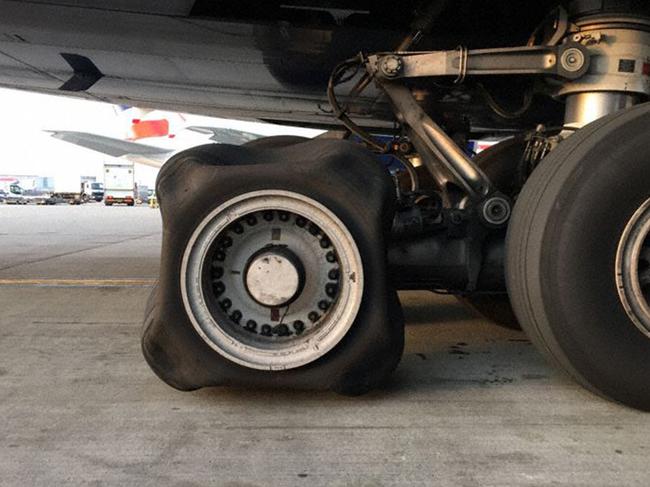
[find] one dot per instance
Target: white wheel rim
(217, 330)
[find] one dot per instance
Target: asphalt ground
(471, 404)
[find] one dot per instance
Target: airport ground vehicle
(119, 184)
(281, 258)
(92, 190)
(68, 188)
(14, 195)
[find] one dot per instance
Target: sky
(28, 150)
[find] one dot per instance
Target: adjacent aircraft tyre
(273, 269)
(578, 256)
(500, 163)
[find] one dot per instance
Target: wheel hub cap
(274, 277)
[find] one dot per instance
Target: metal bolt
(251, 220)
(391, 66)
(331, 257)
(298, 327)
(251, 325)
(330, 290)
(572, 59)
(313, 316)
(333, 274)
(323, 305)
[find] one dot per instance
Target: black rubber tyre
(561, 254)
(275, 141)
(499, 162)
(343, 177)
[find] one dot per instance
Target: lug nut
(331, 257)
(323, 305)
(251, 325)
(268, 215)
(218, 288)
(220, 256)
(226, 242)
(298, 327)
(330, 290)
(313, 316)
(283, 216)
(251, 220)
(217, 273)
(236, 316)
(301, 221)
(324, 242)
(267, 331)
(226, 304)
(313, 229)
(333, 274)
(238, 228)
(282, 330)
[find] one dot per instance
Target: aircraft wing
(224, 135)
(140, 153)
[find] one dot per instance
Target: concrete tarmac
(471, 404)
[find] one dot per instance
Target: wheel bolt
(313, 229)
(219, 288)
(220, 256)
(236, 316)
(333, 274)
(301, 221)
(282, 330)
(323, 305)
(238, 228)
(331, 257)
(267, 331)
(324, 242)
(226, 304)
(217, 272)
(251, 325)
(283, 216)
(330, 290)
(251, 220)
(267, 215)
(313, 316)
(226, 242)
(298, 327)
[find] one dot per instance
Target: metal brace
(569, 60)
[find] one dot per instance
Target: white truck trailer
(67, 188)
(119, 184)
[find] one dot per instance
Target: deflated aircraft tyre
(273, 270)
(499, 163)
(578, 256)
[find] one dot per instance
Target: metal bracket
(569, 61)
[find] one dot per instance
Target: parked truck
(119, 184)
(92, 190)
(67, 188)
